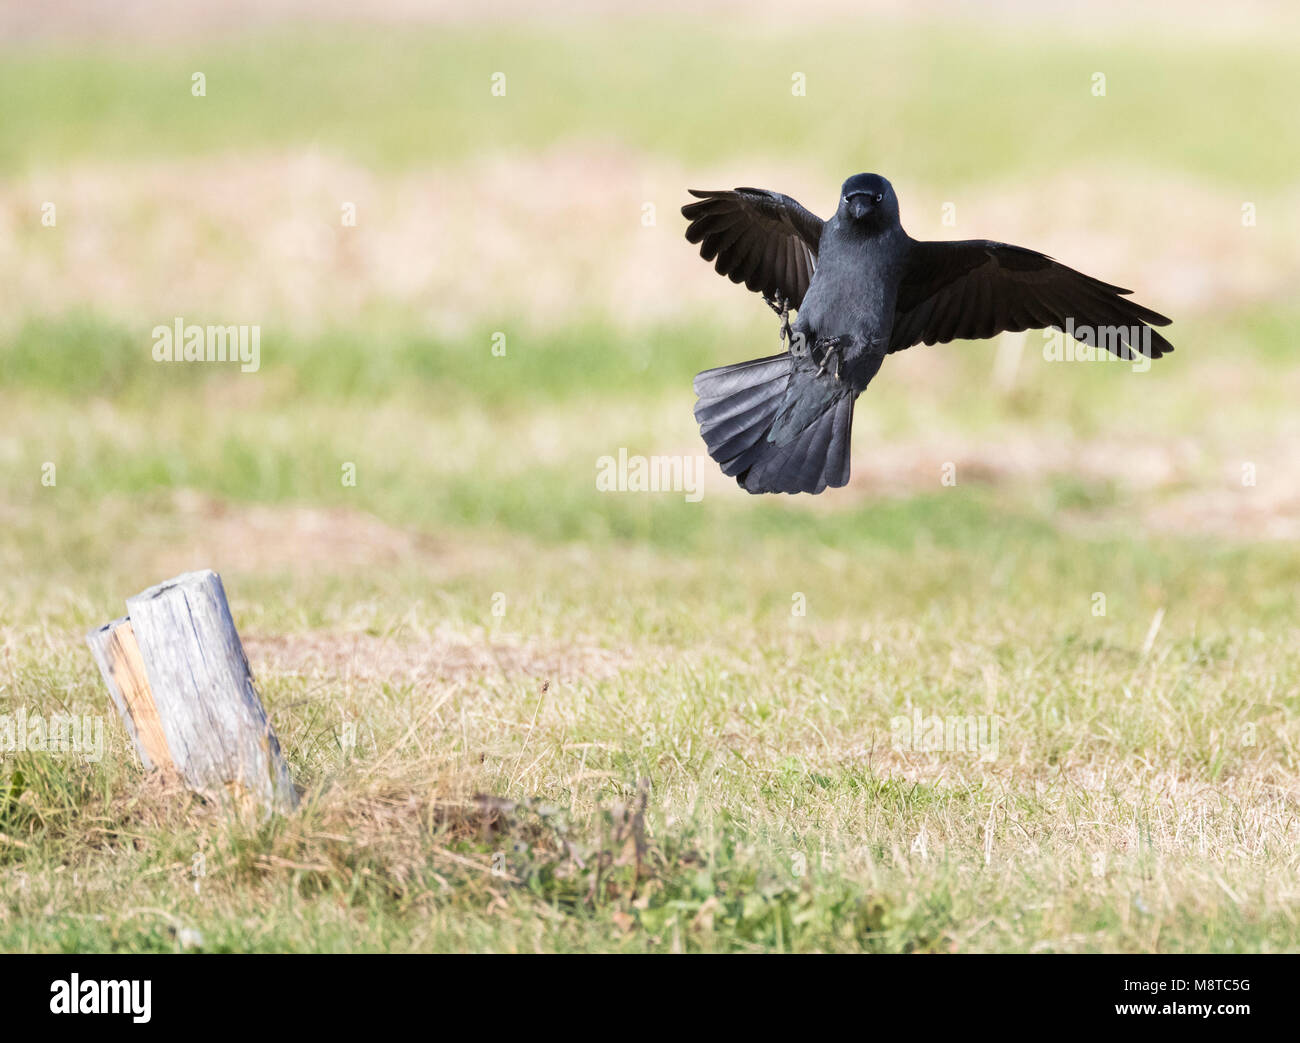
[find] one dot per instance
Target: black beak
(859, 205)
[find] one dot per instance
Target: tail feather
(805, 464)
(742, 401)
(727, 426)
(836, 471)
(739, 406)
(724, 380)
(732, 437)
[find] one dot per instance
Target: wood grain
(215, 726)
(177, 672)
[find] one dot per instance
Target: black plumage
(863, 289)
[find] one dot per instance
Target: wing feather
(976, 288)
(762, 239)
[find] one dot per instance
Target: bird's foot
(781, 305)
(830, 349)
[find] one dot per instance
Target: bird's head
(868, 202)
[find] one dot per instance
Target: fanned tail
(776, 427)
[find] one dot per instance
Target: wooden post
(118, 655)
(176, 669)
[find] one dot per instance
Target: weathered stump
(118, 655)
(177, 672)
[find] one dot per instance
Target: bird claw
(830, 356)
(781, 305)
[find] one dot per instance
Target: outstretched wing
(975, 288)
(763, 239)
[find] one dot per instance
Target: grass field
(528, 715)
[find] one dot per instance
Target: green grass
(1138, 799)
(949, 105)
(778, 817)
(416, 414)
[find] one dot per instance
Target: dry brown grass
(427, 660)
(257, 239)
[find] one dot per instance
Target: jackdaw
(863, 289)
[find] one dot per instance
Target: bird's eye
(880, 196)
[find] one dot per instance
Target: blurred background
(550, 215)
(390, 191)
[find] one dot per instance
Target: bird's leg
(830, 355)
(781, 305)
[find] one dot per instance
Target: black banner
(141, 993)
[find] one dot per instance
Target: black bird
(863, 289)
